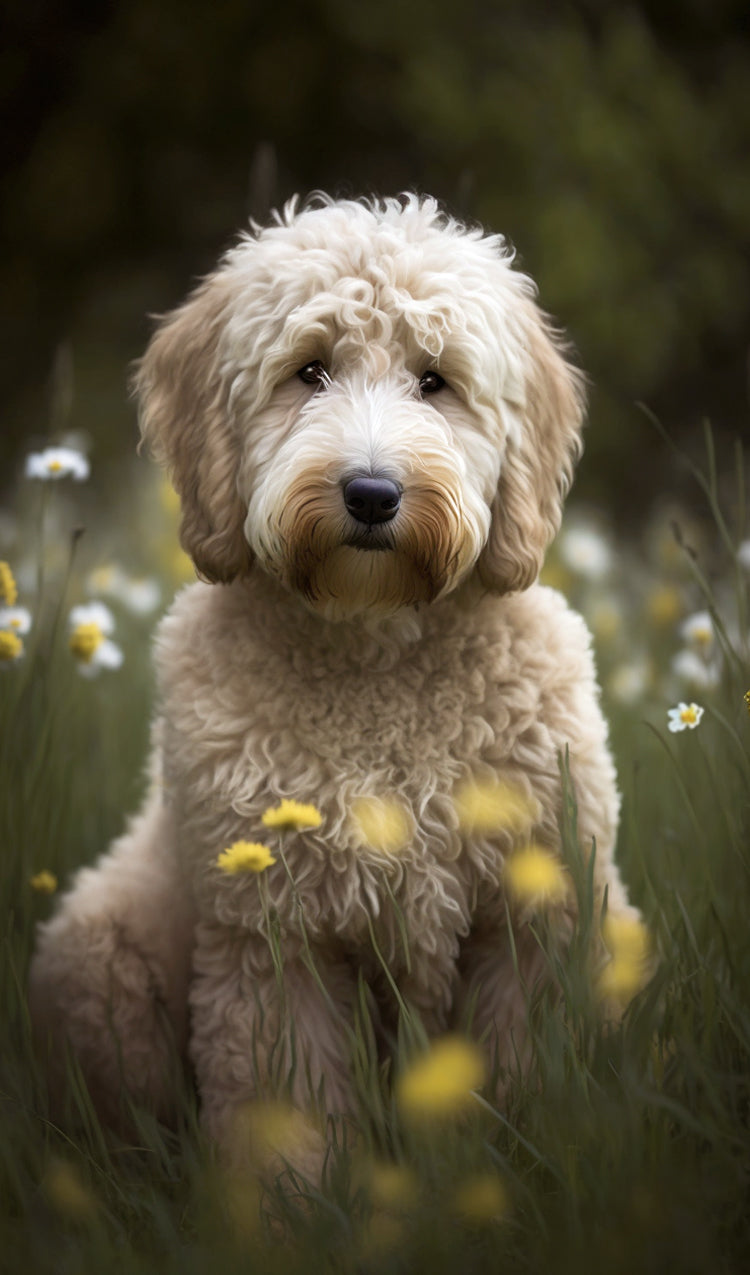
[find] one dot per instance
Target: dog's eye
(313, 373)
(430, 383)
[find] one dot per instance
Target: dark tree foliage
(608, 141)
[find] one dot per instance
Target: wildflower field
(626, 1147)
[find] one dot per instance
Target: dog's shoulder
(546, 636)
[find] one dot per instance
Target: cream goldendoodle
(371, 427)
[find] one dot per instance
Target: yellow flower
(664, 605)
(67, 1193)
(440, 1082)
(44, 882)
(8, 590)
(629, 944)
(626, 936)
(263, 1128)
(698, 631)
(11, 646)
(291, 814)
(245, 856)
(481, 1198)
(533, 875)
(491, 805)
(391, 1186)
(381, 823)
(85, 640)
(620, 979)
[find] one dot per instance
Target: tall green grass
(626, 1147)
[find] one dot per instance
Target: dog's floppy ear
(538, 464)
(186, 423)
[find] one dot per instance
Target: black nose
(372, 500)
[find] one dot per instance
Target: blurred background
(608, 141)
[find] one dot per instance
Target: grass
(627, 1146)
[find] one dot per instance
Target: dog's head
(365, 399)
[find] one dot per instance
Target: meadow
(626, 1147)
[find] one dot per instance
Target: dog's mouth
(370, 539)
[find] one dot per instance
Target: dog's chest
(322, 726)
(420, 712)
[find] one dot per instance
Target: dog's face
(365, 400)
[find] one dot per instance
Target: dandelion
(487, 806)
(391, 1186)
(16, 619)
(57, 462)
(67, 1193)
(626, 936)
(381, 823)
(684, 716)
(481, 1198)
(291, 814)
(441, 1082)
(8, 588)
(261, 1139)
(698, 631)
(628, 943)
(663, 605)
(245, 856)
(11, 647)
(586, 552)
(535, 876)
(43, 882)
(266, 1127)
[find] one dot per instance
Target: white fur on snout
(297, 523)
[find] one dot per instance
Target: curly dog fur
(330, 654)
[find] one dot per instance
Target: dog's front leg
(263, 1032)
(497, 979)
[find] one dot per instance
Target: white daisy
(684, 716)
(16, 619)
(57, 462)
(698, 631)
(93, 613)
(586, 552)
(142, 596)
(692, 668)
(88, 640)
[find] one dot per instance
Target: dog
(371, 426)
